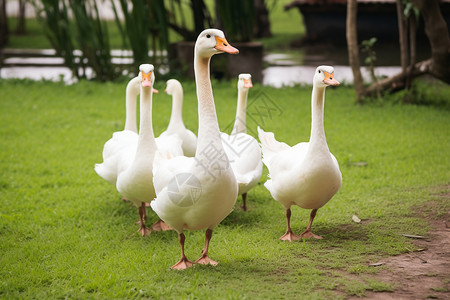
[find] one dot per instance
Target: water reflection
(297, 67)
(282, 69)
(279, 76)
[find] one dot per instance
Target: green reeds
(93, 40)
(143, 20)
(237, 18)
(85, 31)
(58, 29)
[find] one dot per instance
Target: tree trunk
(20, 29)
(262, 22)
(437, 33)
(353, 49)
(402, 35)
(412, 49)
(4, 31)
(439, 63)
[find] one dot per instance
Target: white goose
(242, 149)
(121, 139)
(135, 173)
(306, 174)
(176, 124)
(118, 151)
(198, 192)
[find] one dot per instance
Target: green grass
(66, 233)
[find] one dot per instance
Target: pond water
(281, 69)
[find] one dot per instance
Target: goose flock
(192, 182)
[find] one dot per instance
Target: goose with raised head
(118, 152)
(306, 174)
(176, 125)
(134, 181)
(243, 151)
(124, 141)
(195, 193)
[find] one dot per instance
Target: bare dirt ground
(424, 273)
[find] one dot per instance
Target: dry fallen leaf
(376, 264)
(356, 219)
(413, 236)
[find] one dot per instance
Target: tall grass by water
(66, 233)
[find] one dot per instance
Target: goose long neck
(146, 140)
(240, 124)
(317, 138)
(208, 127)
(176, 117)
(130, 104)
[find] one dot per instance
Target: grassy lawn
(66, 233)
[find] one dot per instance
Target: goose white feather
(306, 174)
(243, 151)
(176, 125)
(198, 192)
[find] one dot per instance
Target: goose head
(213, 41)
(245, 81)
(146, 75)
(324, 76)
(173, 85)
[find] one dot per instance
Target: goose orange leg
(244, 203)
(289, 235)
(307, 233)
(143, 230)
(204, 259)
(183, 263)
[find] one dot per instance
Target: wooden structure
(324, 20)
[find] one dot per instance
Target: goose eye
(208, 36)
(319, 71)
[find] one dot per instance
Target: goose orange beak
(155, 91)
(224, 46)
(248, 83)
(146, 79)
(329, 79)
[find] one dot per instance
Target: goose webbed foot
(160, 225)
(144, 231)
(184, 263)
(290, 236)
(205, 260)
(308, 234)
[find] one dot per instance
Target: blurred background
(279, 41)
